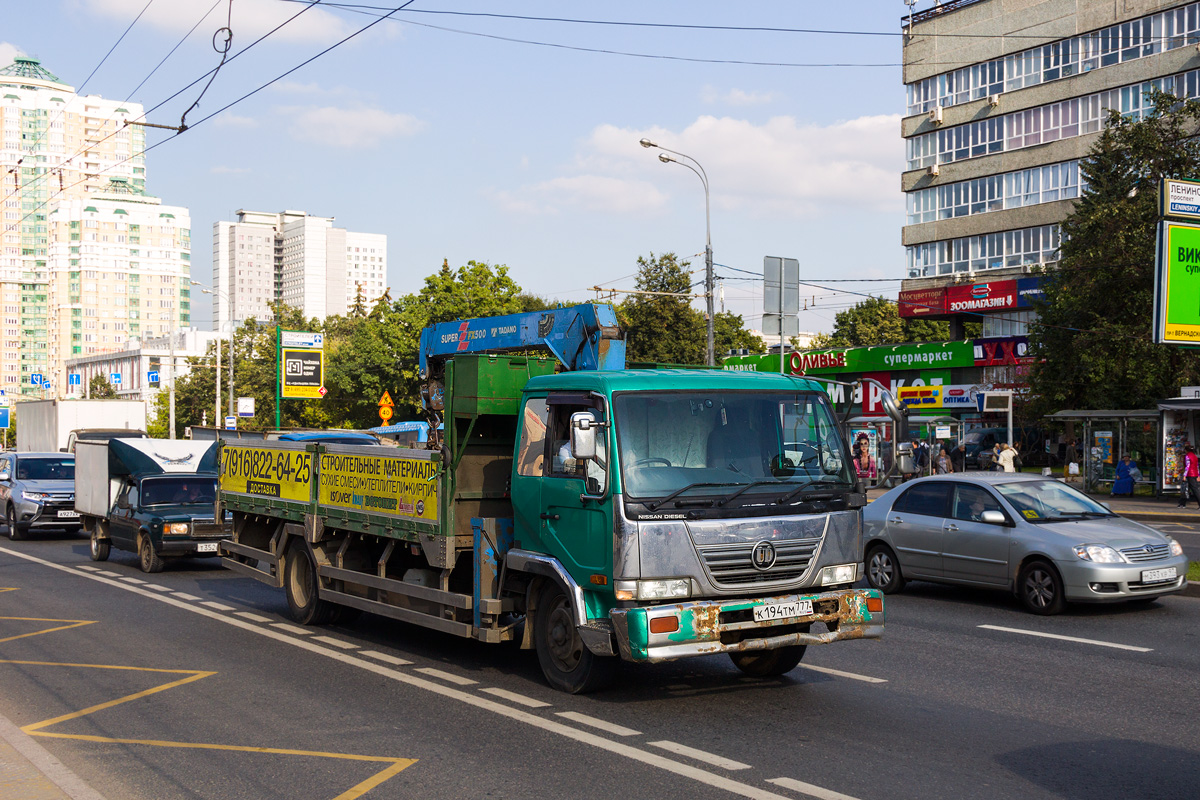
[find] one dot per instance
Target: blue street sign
(74, 379)
(230, 423)
(36, 379)
(4, 418)
(152, 376)
(45, 383)
(114, 378)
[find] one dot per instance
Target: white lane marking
(109, 574)
(1069, 638)
(610, 727)
(252, 617)
(283, 626)
(700, 755)
(138, 581)
(214, 605)
(520, 699)
(399, 662)
(446, 676)
(840, 674)
(688, 771)
(155, 587)
(809, 789)
(89, 567)
(184, 595)
(336, 642)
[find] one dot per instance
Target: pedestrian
(995, 458)
(1070, 456)
(920, 456)
(1123, 483)
(1005, 457)
(1191, 471)
(943, 462)
(958, 458)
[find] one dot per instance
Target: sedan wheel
(1040, 589)
(14, 530)
(883, 570)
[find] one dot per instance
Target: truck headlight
(1099, 554)
(175, 527)
(38, 496)
(840, 573)
(664, 590)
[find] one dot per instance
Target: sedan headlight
(1176, 547)
(1099, 554)
(664, 590)
(175, 527)
(38, 496)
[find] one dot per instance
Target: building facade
(83, 250)
(139, 360)
(295, 258)
(1004, 97)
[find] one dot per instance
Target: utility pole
(171, 386)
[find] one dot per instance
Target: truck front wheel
(301, 583)
(769, 663)
(567, 663)
(100, 547)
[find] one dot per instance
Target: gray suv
(37, 490)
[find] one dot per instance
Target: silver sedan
(1034, 536)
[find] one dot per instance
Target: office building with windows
(82, 246)
(1003, 100)
(295, 258)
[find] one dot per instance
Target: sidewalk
(29, 772)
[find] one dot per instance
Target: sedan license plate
(68, 515)
(206, 547)
(773, 612)
(1158, 575)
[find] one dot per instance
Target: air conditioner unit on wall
(993, 100)
(935, 116)
(933, 171)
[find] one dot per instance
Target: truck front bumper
(705, 627)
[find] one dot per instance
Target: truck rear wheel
(149, 560)
(300, 582)
(100, 547)
(567, 663)
(769, 663)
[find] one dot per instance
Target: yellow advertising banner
(919, 397)
(399, 487)
(266, 472)
(303, 374)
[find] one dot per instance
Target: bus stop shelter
(1109, 434)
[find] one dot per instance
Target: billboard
(982, 297)
(1177, 284)
(303, 374)
(922, 302)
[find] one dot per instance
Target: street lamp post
(217, 411)
(708, 253)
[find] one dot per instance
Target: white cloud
(593, 193)
(779, 168)
(736, 97)
(231, 120)
(358, 127)
(251, 18)
(8, 52)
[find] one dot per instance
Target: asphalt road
(192, 684)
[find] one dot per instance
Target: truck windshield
(741, 447)
(178, 490)
(46, 469)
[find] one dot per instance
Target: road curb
(59, 780)
(1158, 516)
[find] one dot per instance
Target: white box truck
(153, 497)
(45, 426)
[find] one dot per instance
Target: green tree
(878, 321)
(1091, 343)
(663, 328)
(729, 333)
(100, 389)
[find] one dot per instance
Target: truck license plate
(68, 515)
(772, 612)
(206, 547)
(1158, 575)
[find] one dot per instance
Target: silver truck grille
(1150, 552)
(732, 564)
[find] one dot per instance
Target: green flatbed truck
(593, 516)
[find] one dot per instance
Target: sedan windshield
(733, 447)
(46, 469)
(1049, 501)
(178, 491)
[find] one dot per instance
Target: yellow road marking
(8, 588)
(137, 695)
(75, 623)
(279, 751)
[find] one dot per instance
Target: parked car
(1029, 444)
(37, 490)
(330, 437)
(1037, 537)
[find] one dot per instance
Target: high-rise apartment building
(87, 259)
(1004, 99)
(294, 258)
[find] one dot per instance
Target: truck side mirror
(583, 434)
(5, 474)
(123, 502)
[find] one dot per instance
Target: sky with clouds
(515, 141)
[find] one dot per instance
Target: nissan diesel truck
(595, 514)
